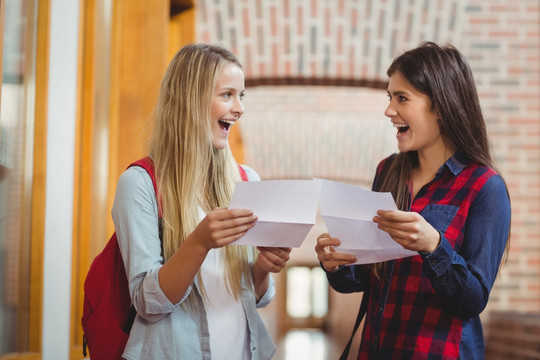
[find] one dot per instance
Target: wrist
(198, 246)
(258, 271)
(435, 244)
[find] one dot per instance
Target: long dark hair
(443, 74)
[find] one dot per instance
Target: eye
(402, 98)
(226, 95)
(242, 95)
(389, 96)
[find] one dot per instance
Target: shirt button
(380, 308)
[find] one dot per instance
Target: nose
(238, 107)
(390, 111)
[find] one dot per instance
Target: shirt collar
(456, 163)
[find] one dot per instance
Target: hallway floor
(306, 345)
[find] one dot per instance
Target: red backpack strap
(243, 173)
(148, 164)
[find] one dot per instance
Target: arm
(155, 289)
(219, 228)
(342, 278)
(270, 259)
(135, 216)
(348, 279)
(464, 280)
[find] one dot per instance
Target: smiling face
(226, 106)
(411, 112)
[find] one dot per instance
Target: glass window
(307, 292)
(16, 140)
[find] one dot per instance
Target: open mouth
(401, 128)
(225, 125)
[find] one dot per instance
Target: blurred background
(79, 83)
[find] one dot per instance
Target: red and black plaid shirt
(427, 306)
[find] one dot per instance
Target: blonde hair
(191, 174)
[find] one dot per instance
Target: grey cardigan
(163, 330)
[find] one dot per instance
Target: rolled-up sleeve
(268, 295)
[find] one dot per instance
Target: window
(16, 154)
(307, 297)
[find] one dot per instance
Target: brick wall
(341, 132)
(513, 335)
(501, 40)
(352, 39)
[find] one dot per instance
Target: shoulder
(134, 182)
(134, 177)
(487, 183)
(479, 176)
(134, 192)
(251, 174)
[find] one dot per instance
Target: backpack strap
(148, 164)
(243, 173)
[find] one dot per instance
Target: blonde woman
(195, 295)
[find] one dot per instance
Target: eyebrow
(397, 93)
(230, 88)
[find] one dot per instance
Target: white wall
(62, 99)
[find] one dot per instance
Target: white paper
(286, 210)
(348, 212)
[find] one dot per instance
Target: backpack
(107, 310)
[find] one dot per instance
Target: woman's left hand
(409, 229)
(272, 259)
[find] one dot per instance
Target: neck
(430, 161)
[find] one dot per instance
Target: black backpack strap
(361, 313)
(130, 319)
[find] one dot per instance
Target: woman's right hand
(330, 259)
(221, 226)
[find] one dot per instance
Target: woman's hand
(328, 256)
(222, 226)
(409, 229)
(272, 259)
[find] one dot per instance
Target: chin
(220, 146)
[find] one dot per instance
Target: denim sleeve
(348, 279)
(464, 280)
(268, 295)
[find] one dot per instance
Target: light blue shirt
(163, 330)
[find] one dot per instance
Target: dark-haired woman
(454, 211)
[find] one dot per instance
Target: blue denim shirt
(428, 306)
(163, 330)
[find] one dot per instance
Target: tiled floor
(306, 345)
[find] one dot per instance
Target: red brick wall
(501, 40)
(512, 335)
(342, 133)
